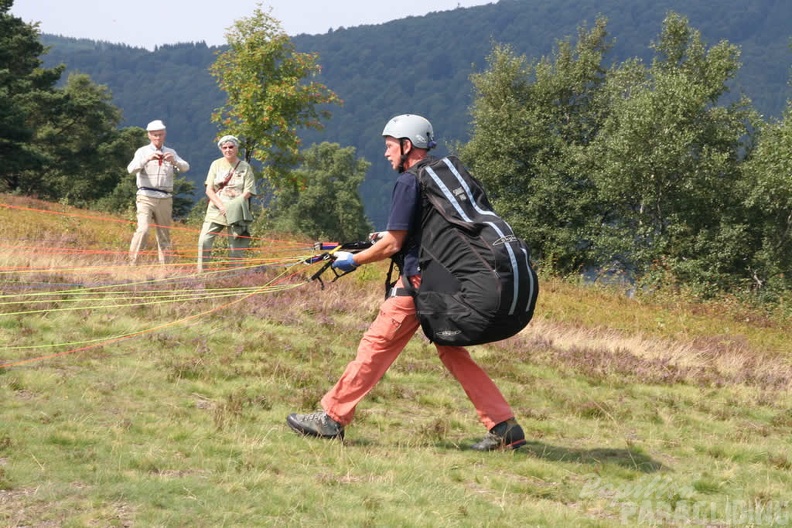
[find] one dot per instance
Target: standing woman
(229, 186)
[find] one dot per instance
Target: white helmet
(413, 127)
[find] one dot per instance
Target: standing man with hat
(154, 166)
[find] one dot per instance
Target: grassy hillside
(149, 396)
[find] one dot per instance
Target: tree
(24, 88)
(75, 133)
(270, 94)
(56, 143)
(767, 192)
(328, 206)
(637, 167)
(667, 161)
(531, 121)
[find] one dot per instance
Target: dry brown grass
(591, 330)
(602, 352)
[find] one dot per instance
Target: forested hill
(422, 65)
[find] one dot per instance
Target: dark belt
(152, 189)
(398, 292)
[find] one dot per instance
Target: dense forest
(368, 68)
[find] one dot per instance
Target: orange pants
(381, 345)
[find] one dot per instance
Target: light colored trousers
(381, 345)
(156, 212)
(238, 241)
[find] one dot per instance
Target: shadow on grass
(627, 458)
(632, 459)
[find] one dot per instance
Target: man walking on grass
(408, 139)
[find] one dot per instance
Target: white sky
(148, 24)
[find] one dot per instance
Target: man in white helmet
(154, 167)
(408, 139)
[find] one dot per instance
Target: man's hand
(344, 261)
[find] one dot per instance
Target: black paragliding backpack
(477, 284)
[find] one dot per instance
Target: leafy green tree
(76, 133)
(271, 93)
(56, 143)
(637, 167)
(531, 123)
(767, 192)
(667, 161)
(24, 87)
(328, 205)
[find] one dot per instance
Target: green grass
(638, 413)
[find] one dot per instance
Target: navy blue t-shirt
(405, 215)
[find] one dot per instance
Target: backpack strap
(392, 288)
(408, 288)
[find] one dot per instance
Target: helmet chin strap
(402, 157)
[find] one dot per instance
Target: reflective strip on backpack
(453, 201)
(449, 195)
(531, 284)
(515, 269)
(464, 185)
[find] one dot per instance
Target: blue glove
(343, 261)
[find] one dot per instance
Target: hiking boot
(316, 424)
(505, 435)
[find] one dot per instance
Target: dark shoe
(505, 435)
(316, 424)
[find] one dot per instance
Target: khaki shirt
(242, 180)
(155, 174)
